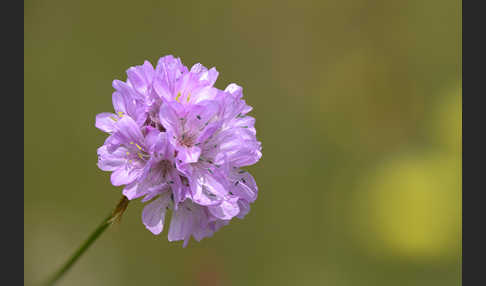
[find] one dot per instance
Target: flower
(179, 143)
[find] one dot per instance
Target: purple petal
(105, 121)
(153, 214)
(206, 189)
(140, 77)
(200, 115)
(245, 186)
(130, 191)
(244, 208)
(129, 131)
(234, 89)
(182, 223)
(226, 210)
(119, 102)
(168, 71)
(110, 161)
(188, 154)
(170, 119)
(124, 175)
(151, 137)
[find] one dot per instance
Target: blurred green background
(358, 108)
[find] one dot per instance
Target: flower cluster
(180, 143)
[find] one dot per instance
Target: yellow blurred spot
(411, 207)
(446, 127)
(188, 97)
(177, 97)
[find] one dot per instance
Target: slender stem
(114, 216)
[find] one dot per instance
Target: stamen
(177, 97)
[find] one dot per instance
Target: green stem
(114, 216)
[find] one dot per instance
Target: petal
(226, 210)
(197, 84)
(247, 123)
(200, 115)
(151, 137)
(175, 183)
(181, 225)
(168, 71)
(210, 76)
(153, 214)
(209, 131)
(170, 68)
(217, 224)
(113, 142)
(162, 146)
(140, 77)
(188, 154)
(162, 89)
(201, 227)
(204, 93)
(130, 191)
(170, 119)
(240, 148)
(125, 175)
(118, 102)
(110, 161)
(206, 189)
(148, 70)
(105, 121)
(244, 208)
(234, 89)
(151, 173)
(245, 186)
(150, 196)
(126, 90)
(128, 130)
(128, 101)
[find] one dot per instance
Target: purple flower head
(180, 143)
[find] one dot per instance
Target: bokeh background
(358, 108)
